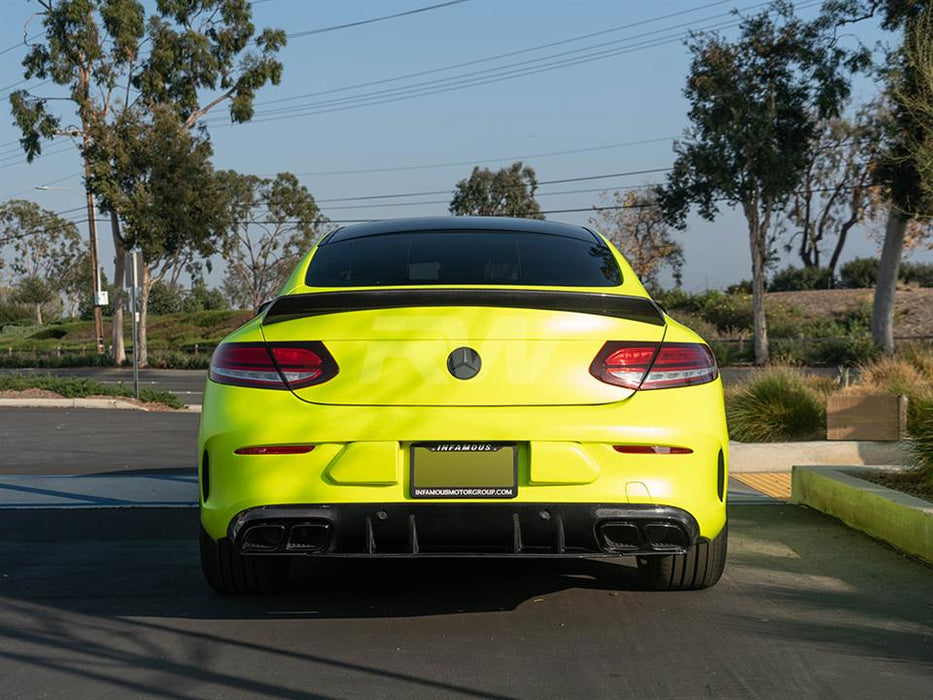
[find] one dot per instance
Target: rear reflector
(654, 365)
(275, 450)
(272, 365)
(651, 450)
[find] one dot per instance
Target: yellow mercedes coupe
(463, 386)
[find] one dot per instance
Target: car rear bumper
(504, 530)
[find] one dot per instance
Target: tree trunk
(882, 314)
(118, 346)
(837, 251)
(758, 246)
(38, 314)
(143, 314)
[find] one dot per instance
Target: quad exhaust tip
(299, 537)
(622, 536)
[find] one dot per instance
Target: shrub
(743, 287)
(726, 311)
(860, 273)
(164, 299)
(728, 353)
(76, 387)
(49, 334)
(777, 404)
(24, 360)
(787, 352)
(920, 274)
(795, 279)
(200, 298)
(846, 351)
(179, 360)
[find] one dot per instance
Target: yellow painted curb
(774, 484)
(901, 520)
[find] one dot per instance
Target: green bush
(179, 360)
(26, 360)
(785, 351)
(19, 330)
(860, 273)
(76, 387)
(49, 334)
(846, 351)
(200, 298)
(730, 352)
(165, 299)
(777, 404)
(920, 274)
(796, 279)
(742, 287)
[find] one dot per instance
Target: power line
(489, 71)
(463, 81)
(431, 166)
(51, 182)
(542, 182)
(14, 161)
(537, 195)
(450, 85)
(487, 59)
(20, 43)
(298, 35)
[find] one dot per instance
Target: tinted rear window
(464, 258)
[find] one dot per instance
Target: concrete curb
(901, 520)
(112, 404)
(783, 456)
(71, 403)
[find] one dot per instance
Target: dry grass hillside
(913, 315)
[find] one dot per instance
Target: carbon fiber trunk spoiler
(631, 308)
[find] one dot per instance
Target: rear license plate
(464, 470)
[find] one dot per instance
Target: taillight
(654, 365)
(274, 450)
(272, 365)
(651, 450)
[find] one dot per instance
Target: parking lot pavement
(110, 602)
(87, 441)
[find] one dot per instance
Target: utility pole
(98, 297)
(95, 268)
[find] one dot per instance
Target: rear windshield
(463, 258)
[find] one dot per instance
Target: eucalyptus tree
(634, 222)
(755, 106)
(274, 222)
(43, 249)
(905, 171)
(507, 192)
(118, 65)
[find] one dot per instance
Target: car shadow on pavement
(93, 595)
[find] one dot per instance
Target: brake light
(651, 450)
(274, 450)
(654, 365)
(272, 365)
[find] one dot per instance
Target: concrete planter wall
(904, 521)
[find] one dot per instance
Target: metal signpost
(133, 274)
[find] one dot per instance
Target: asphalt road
(110, 603)
(90, 441)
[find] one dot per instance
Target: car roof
(460, 223)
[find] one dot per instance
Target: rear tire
(228, 571)
(699, 567)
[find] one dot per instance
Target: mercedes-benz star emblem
(464, 363)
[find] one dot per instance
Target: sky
(351, 125)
